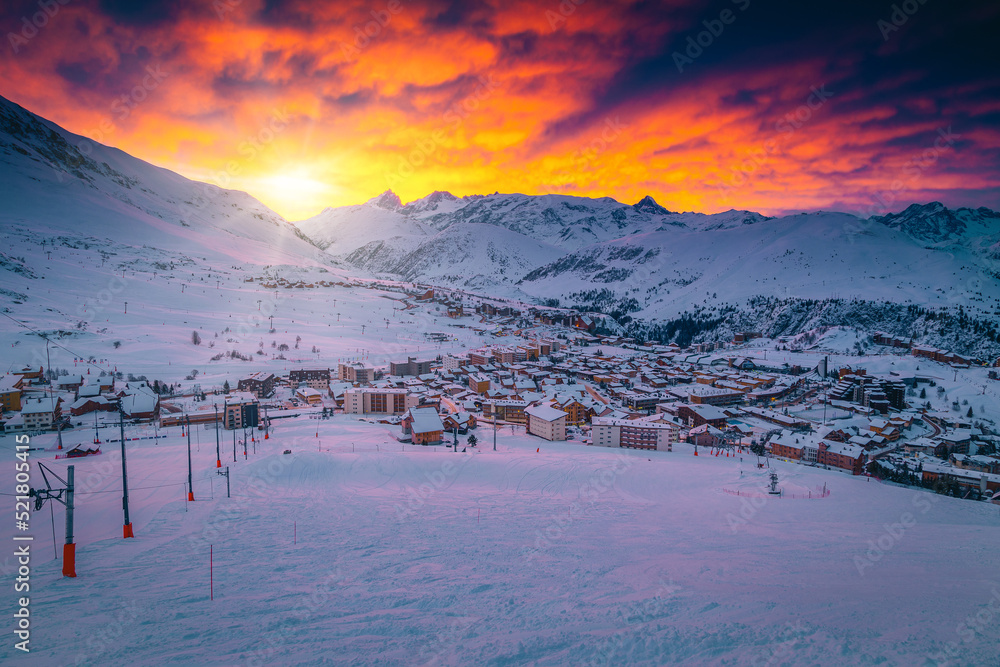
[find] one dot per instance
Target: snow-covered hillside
(355, 549)
(811, 256)
(55, 182)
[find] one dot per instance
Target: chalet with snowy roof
(88, 391)
(522, 385)
(510, 410)
(87, 404)
(69, 382)
(885, 428)
(835, 435)
(138, 401)
(743, 363)
(423, 425)
(83, 449)
(337, 391)
(463, 421)
(309, 396)
(41, 413)
(104, 384)
(577, 411)
(705, 436)
(29, 373)
(699, 415)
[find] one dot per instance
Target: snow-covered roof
(40, 406)
(83, 400)
(844, 449)
(425, 420)
(90, 390)
(138, 403)
(7, 383)
(545, 413)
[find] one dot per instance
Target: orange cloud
(518, 96)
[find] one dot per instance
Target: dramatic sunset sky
(840, 105)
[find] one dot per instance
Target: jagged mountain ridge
(564, 221)
(644, 259)
(933, 223)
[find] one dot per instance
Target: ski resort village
(495, 442)
(901, 412)
(500, 334)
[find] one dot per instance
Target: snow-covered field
(355, 549)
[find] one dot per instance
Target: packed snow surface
(356, 549)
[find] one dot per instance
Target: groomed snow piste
(356, 549)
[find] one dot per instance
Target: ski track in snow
(505, 560)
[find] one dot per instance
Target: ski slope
(355, 549)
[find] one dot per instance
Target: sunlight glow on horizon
(503, 99)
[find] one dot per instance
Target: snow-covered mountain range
(654, 263)
(640, 262)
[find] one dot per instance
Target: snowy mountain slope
(343, 230)
(52, 181)
(555, 554)
(811, 256)
(465, 254)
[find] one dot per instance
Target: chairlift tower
(65, 496)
